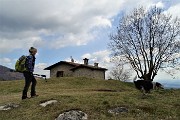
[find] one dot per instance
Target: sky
(63, 28)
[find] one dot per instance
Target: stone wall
(99, 74)
(80, 72)
(85, 72)
(63, 67)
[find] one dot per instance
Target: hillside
(94, 97)
(9, 74)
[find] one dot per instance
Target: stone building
(71, 69)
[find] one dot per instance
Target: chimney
(96, 64)
(72, 60)
(85, 61)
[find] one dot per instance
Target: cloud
(102, 57)
(69, 39)
(39, 69)
(41, 65)
(100, 21)
(160, 4)
(8, 45)
(57, 23)
(65, 22)
(174, 10)
(6, 61)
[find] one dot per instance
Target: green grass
(94, 97)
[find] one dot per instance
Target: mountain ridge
(9, 74)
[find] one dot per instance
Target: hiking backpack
(20, 65)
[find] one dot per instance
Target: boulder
(9, 106)
(72, 115)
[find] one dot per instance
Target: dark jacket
(30, 63)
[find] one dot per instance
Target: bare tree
(119, 72)
(148, 40)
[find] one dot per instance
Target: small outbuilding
(72, 69)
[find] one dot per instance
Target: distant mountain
(9, 74)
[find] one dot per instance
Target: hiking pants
(28, 79)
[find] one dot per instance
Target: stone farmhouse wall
(85, 72)
(80, 72)
(63, 67)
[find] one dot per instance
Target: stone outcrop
(72, 115)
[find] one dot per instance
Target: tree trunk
(147, 77)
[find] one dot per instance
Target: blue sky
(63, 28)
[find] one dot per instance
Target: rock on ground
(72, 115)
(9, 106)
(44, 104)
(118, 110)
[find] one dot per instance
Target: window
(60, 74)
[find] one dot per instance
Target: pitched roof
(88, 66)
(75, 65)
(59, 63)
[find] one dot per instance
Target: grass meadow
(92, 96)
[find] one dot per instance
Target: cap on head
(32, 49)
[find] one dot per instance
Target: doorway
(60, 74)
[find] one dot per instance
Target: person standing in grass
(28, 74)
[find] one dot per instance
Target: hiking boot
(32, 96)
(24, 97)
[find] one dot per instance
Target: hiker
(28, 74)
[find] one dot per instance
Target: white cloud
(160, 4)
(174, 10)
(56, 23)
(70, 39)
(99, 21)
(102, 57)
(129, 5)
(41, 65)
(29, 23)
(87, 55)
(8, 45)
(39, 69)
(6, 61)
